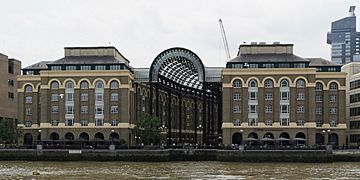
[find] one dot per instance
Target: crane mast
(226, 46)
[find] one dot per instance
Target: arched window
(99, 84)
(54, 85)
(84, 85)
(319, 87)
(28, 89)
(237, 84)
(114, 85)
(268, 83)
(69, 85)
(300, 83)
(284, 83)
(252, 83)
(333, 87)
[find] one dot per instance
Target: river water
(177, 170)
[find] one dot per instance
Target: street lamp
(112, 136)
(39, 136)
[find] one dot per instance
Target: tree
(148, 129)
(7, 131)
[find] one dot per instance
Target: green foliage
(148, 129)
(7, 131)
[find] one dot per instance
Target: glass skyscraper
(344, 39)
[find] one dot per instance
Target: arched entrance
(268, 139)
(333, 139)
(237, 138)
(114, 138)
(319, 139)
(84, 136)
(54, 136)
(28, 139)
(284, 139)
(99, 136)
(300, 138)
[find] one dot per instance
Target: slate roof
(88, 60)
(39, 65)
(321, 62)
(268, 58)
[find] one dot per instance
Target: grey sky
(38, 30)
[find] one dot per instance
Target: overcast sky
(38, 30)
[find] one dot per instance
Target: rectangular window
(99, 97)
(268, 96)
(318, 110)
(252, 109)
(332, 110)
(54, 109)
(268, 122)
(56, 68)
(54, 97)
(69, 122)
(268, 109)
(69, 109)
(114, 122)
(284, 122)
(253, 65)
(252, 95)
(300, 96)
(84, 96)
(115, 67)
(84, 122)
(114, 109)
(99, 122)
(28, 99)
(268, 65)
(84, 109)
(236, 109)
(99, 109)
(69, 97)
(54, 122)
(99, 67)
(85, 67)
(68, 68)
(252, 122)
(332, 98)
(114, 96)
(28, 123)
(284, 108)
(300, 122)
(237, 96)
(28, 111)
(284, 95)
(300, 109)
(318, 98)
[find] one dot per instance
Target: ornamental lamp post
(40, 136)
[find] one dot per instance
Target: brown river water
(177, 170)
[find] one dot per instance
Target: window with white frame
(99, 109)
(236, 109)
(284, 108)
(84, 96)
(85, 68)
(28, 123)
(318, 110)
(284, 95)
(69, 97)
(84, 109)
(54, 85)
(114, 85)
(114, 97)
(253, 83)
(300, 96)
(333, 87)
(69, 109)
(69, 122)
(319, 87)
(54, 122)
(28, 111)
(237, 96)
(268, 83)
(54, 97)
(237, 122)
(28, 89)
(84, 122)
(252, 122)
(318, 98)
(114, 109)
(333, 123)
(252, 109)
(84, 85)
(99, 122)
(300, 122)
(115, 67)
(28, 99)
(332, 98)
(300, 83)
(284, 83)
(332, 110)
(252, 95)
(99, 97)
(98, 67)
(114, 122)
(54, 109)
(268, 109)
(268, 96)
(268, 122)
(300, 109)
(237, 84)
(284, 122)
(69, 68)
